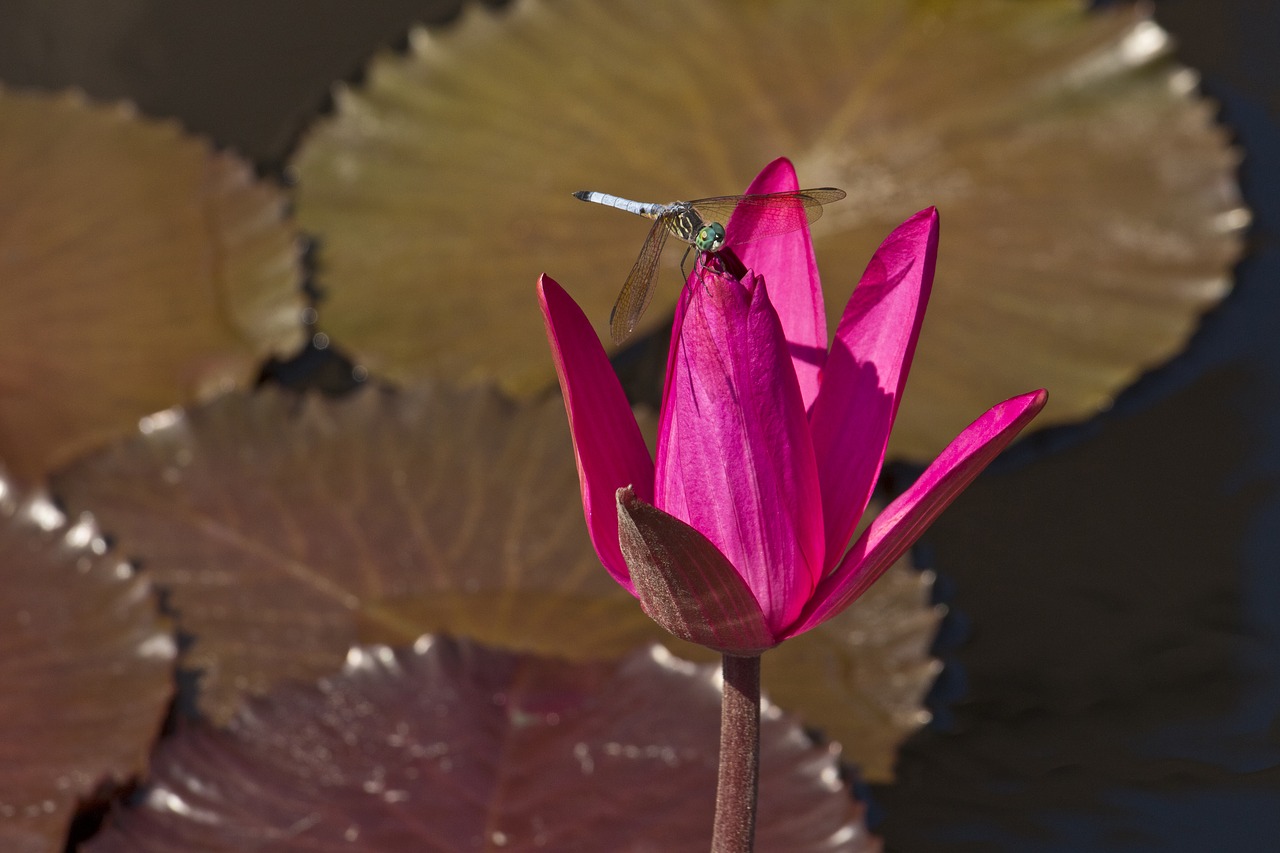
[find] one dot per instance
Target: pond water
(1118, 647)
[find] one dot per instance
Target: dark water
(1115, 678)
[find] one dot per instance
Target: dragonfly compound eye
(710, 238)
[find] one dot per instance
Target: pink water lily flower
(769, 443)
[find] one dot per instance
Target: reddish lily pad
(287, 529)
(1090, 213)
(451, 746)
(87, 668)
(139, 268)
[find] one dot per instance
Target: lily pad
(287, 529)
(88, 668)
(139, 268)
(450, 746)
(1090, 212)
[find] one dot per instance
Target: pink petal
(907, 517)
(786, 262)
(865, 372)
(734, 456)
(607, 443)
(673, 349)
(685, 584)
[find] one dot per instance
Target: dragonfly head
(710, 237)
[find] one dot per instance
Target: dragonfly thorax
(683, 221)
(686, 223)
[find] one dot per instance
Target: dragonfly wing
(637, 292)
(767, 214)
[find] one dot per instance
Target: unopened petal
(787, 263)
(907, 517)
(734, 456)
(607, 443)
(865, 373)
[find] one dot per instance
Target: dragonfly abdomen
(642, 208)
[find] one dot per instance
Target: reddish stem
(735, 825)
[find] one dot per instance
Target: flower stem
(735, 825)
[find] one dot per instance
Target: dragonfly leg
(703, 262)
(699, 264)
(684, 258)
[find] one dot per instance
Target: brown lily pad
(87, 669)
(450, 746)
(1090, 212)
(139, 268)
(287, 529)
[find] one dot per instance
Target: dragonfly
(699, 223)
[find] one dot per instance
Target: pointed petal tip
(777, 176)
(783, 163)
(559, 317)
(925, 221)
(1026, 405)
(548, 290)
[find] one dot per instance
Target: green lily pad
(1089, 207)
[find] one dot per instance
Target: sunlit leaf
(454, 747)
(1088, 203)
(139, 268)
(87, 668)
(285, 530)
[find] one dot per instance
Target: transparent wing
(767, 214)
(637, 292)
